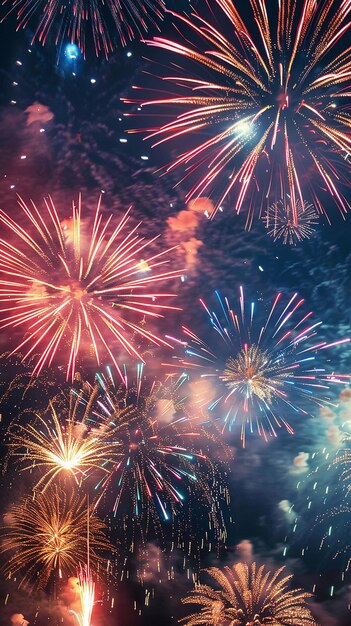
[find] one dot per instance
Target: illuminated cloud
(38, 113)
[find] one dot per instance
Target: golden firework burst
(48, 535)
(248, 595)
(253, 373)
(60, 445)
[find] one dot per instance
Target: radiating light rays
(258, 104)
(281, 225)
(248, 594)
(46, 535)
(58, 446)
(86, 22)
(260, 364)
(69, 288)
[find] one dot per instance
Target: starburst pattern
(262, 101)
(64, 286)
(260, 365)
(47, 535)
(59, 445)
(248, 594)
(280, 223)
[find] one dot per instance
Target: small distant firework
(258, 103)
(83, 20)
(261, 370)
(45, 536)
(280, 223)
(248, 594)
(65, 287)
(59, 446)
(163, 464)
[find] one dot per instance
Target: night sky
(81, 144)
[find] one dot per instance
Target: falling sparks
(163, 467)
(80, 21)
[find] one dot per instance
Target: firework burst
(163, 462)
(262, 109)
(46, 536)
(59, 446)
(82, 20)
(248, 594)
(263, 369)
(280, 222)
(63, 287)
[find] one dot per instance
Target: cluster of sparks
(73, 20)
(261, 369)
(46, 536)
(61, 285)
(264, 112)
(280, 223)
(87, 595)
(248, 594)
(58, 447)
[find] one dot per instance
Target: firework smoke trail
(163, 465)
(80, 20)
(45, 536)
(280, 223)
(263, 368)
(248, 594)
(264, 113)
(61, 286)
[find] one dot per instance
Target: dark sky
(81, 150)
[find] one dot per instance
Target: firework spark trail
(263, 370)
(45, 536)
(271, 102)
(280, 223)
(58, 284)
(248, 594)
(87, 595)
(80, 20)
